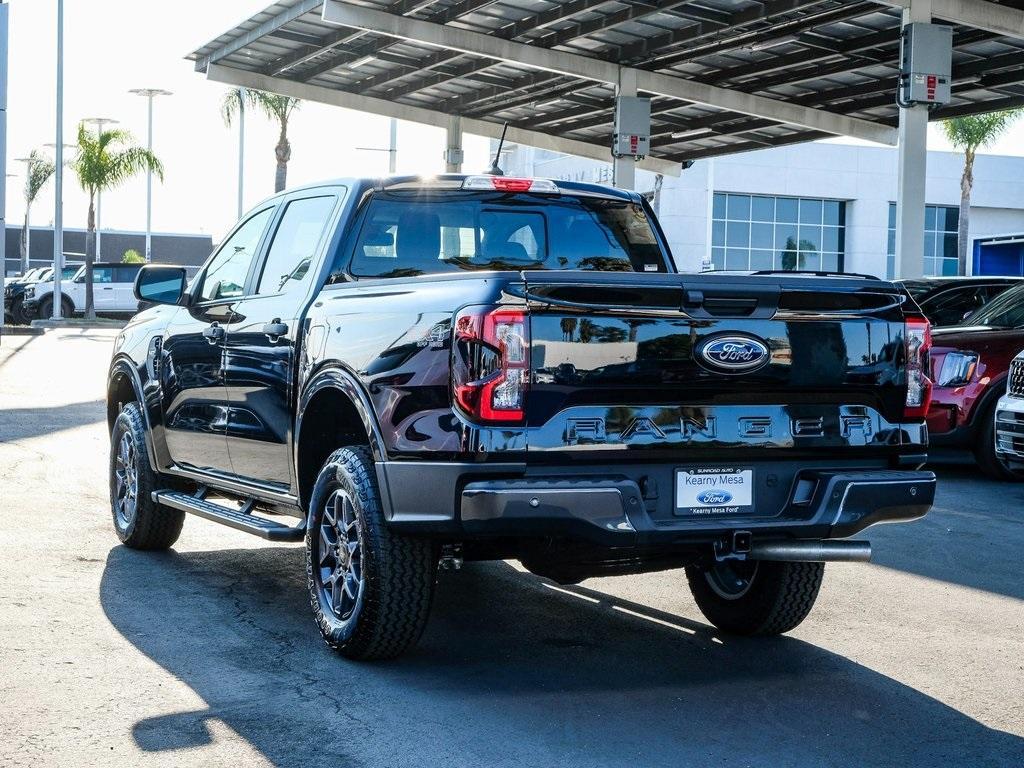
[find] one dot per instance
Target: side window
(991, 291)
(950, 307)
(294, 245)
(225, 274)
(103, 274)
(125, 274)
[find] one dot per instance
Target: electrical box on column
(926, 54)
(632, 136)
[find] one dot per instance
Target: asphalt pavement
(208, 655)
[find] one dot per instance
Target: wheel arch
(123, 387)
(995, 389)
(333, 411)
(65, 301)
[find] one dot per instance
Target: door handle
(213, 333)
(275, 329)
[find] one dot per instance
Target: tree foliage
(106, 160)
(132, 256)
(975, 131)
(969, 134)
(40, 169)
(274, 107)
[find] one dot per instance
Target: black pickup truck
(419, 371)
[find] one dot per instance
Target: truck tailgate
(624, 361)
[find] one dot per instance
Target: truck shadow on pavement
(511, 671)
(973, 535)
(24, 423)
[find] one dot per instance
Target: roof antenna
(495, 169)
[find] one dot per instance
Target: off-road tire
(18, 316)
(398, 572)
(46, 308)
(779, 597)
(985, 450)
(152, 526)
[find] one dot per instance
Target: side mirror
(160, 284)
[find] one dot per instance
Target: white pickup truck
(113, 292)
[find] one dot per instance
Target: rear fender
(343, 381)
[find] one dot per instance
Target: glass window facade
(765, 232)
(940, 232)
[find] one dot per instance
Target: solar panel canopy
(722, 76)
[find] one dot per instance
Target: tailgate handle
(755, 302)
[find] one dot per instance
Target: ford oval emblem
(714, 498)
(733, 354)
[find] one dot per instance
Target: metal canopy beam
(980, 14)
(270, 25)
(587, 68)
(230, 76)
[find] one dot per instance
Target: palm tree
(40, 169)
(275, 107)
(104, 161)
(969, 134)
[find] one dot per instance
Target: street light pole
(99, 122)
(58, 208)
(149, 93)
(241, 151)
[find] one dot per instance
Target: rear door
(195, 403)
(262, 344)
(103, 288)
(124, 288)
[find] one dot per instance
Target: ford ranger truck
(423, 371)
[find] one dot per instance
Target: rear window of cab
(405, 235)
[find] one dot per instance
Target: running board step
(233, 518)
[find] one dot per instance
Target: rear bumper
(617, 510)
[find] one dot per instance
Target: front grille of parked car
(1016, 385)
(1010, 433)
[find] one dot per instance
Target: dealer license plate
(714, 491)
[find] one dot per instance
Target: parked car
(1009, 422)
(113, 292)
(14, 288)
(949, 300)
(970, 363)
(14, 291)
(429, 370)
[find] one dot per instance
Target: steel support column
(3, 141)
(913, 166)
(453, 154)
(624, 168)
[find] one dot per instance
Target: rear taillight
(917, 341)
(491, 363)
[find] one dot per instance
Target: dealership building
(817, 206)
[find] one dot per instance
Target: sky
(112, 46)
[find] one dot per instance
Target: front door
(261, 348)
(195, 401)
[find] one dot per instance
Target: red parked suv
(969, 367)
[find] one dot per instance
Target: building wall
(864, 177)
(186, 250)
